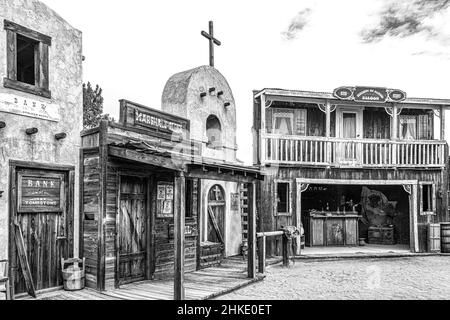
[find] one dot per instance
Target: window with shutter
(27, 60)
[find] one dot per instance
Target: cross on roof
(212, 41)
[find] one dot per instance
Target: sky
(133, 47)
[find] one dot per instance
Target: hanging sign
(39, 194)
(369, 94)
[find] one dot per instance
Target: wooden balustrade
(356, 152)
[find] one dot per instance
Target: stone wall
(65, 84)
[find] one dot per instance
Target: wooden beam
(298, 217)
(179, 221)
(251, 230)
(414, 211)
(442, 112)
(328, 119)
(210, 175)
(143, 158)
(262, 134)
(101, 249)
(199, 222)
(17, 28)
(24, 265)
(262, 254)
(356, 182)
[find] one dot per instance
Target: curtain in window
(283, 125)
(349, 123)
(408, 127)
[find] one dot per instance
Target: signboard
(155, 122)
(40, 194)
(165, 198)
(12, 103)
(366, 94)
(163, 124)
(190, 230)
(369, 94)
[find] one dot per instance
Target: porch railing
(353, 152)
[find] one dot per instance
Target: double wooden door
(132, 227)
(41, 228)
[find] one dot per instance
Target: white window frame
(279, 113)
(275, 193)
(433, 198)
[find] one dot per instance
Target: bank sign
(369, 94)
(40, 194)
(28, 107)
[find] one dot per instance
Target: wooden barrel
(445, 237)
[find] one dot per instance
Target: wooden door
(350, 128)
(216, 215)
(132, 230)
(42, 210)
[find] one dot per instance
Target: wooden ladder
(244, 211)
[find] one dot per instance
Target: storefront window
(283, 198)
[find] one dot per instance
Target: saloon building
(357, 166)
(40, 123)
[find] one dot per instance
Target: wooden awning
(193, 166)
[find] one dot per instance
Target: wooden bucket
(73, 276)
(445, 237)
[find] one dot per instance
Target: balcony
(337, 152)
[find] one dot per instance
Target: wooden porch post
(179, 218)
(328, 119)
(251, 230)
(442, 113)
(328, 130)
(394, 133)
(262, 134)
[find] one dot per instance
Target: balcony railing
(296, 150)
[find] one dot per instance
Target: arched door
(216, 215)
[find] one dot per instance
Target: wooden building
(40, 123)
(357, 163)
(141, 189)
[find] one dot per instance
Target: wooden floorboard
(199, 285)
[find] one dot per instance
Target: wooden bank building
(163, 190)
(359, 166)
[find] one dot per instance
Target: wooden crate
(383, 236)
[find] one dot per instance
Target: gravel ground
(408, 278)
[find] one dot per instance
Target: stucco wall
(182, 97)
(65, 82)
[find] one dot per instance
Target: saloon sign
(369, 94)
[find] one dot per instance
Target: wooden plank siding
(100, 185)
(268, 221)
